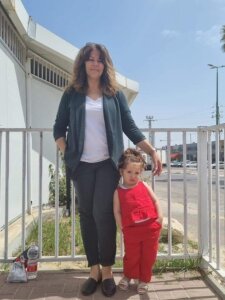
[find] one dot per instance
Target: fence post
(203, 231)
(29, 134)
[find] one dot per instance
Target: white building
(35, 66)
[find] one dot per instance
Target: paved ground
(60, 285)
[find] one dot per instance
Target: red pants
(141, 246)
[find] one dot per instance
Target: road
(177, 198)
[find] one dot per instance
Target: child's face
(131, 174)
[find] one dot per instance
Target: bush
(62, 186)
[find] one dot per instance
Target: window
(11, 39)
(48, 72)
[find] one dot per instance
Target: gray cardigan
(70, 119)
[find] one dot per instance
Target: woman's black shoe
(108, 287)
(89, 286)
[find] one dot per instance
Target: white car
(192, 164)
(221, 165)
(176, 164)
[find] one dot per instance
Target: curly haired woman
(92, 116)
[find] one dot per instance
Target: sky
(164, 45)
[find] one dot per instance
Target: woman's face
(94, 65)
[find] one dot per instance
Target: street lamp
(217, 100)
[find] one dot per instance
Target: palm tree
(223, 38)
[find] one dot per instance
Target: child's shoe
(142, 288)
(124, 283)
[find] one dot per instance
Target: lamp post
(217, 86)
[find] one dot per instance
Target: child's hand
(159, 219)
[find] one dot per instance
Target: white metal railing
(213, 203)
(190, 195)
(170, 199)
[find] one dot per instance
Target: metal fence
(192, 198)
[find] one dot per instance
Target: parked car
(187, 162)
(221, 165)
(176, 163)
(192, 164)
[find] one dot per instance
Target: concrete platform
(58, 285)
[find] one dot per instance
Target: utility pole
(150, 119)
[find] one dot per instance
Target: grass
(48, 237)
(65, 237)
(65, 241)
(173, 265)
(162, 266)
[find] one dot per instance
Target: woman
(94, 114)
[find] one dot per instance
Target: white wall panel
(44, 104)
(12, 91)
(13, 115)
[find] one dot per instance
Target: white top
(95, 141)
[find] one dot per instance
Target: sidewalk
(58, 285)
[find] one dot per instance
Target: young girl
(139, 216)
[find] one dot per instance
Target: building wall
(25, 101)
(12, 114)
(44, 104)
(30, 102)
(12, 91)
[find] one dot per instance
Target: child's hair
(131, 156)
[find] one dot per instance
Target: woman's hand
(157, 164)
(61, 143)
(147, 148)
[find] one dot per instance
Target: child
(139, 216)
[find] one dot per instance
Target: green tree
(62, 186)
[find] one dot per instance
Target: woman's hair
(79, 77)
(131, 156)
